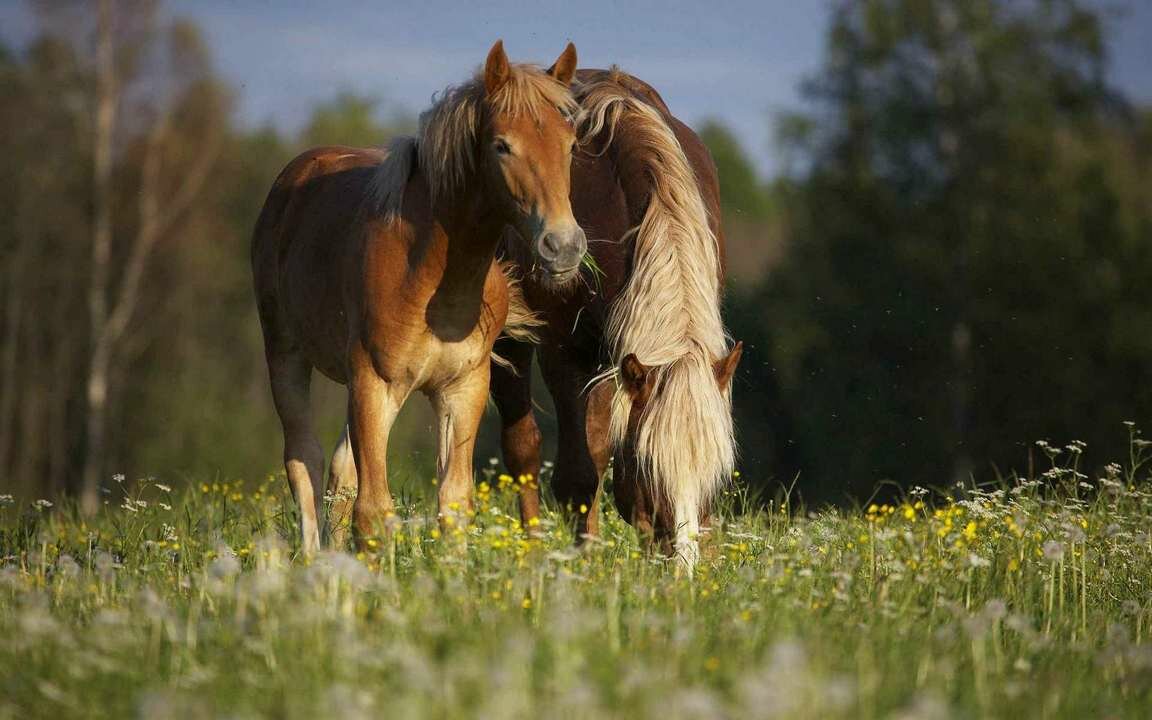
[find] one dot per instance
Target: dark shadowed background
(939, 216)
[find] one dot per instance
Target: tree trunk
(97, 385)
(9, 353)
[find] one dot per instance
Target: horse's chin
(557, 282)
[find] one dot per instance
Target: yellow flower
(583, 509)
(527, 603)
(712, 664)
(970, 531)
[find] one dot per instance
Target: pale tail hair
(668, 315)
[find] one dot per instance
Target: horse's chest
(419, 358)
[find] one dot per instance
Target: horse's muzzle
(560, 251)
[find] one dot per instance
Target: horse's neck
(466, 238)
(471, 233)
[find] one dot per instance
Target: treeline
(140, 258)
(957, 260)
(967, 260)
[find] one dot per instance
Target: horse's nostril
(549, 247)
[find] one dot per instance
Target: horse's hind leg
(519, 434)
(342, 484)
(291, 377)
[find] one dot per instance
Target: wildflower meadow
(1025, 598)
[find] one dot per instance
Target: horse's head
(526, 157)
(674, 446)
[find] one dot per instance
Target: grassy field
(1030, 599)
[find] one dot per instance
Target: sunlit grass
(1028, 599)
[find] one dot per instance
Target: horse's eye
(502, 147)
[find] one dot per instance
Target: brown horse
(377, 269)
(644, 188)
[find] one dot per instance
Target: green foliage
(347, 119)
(969, 255)
(1014, 601)
(742, 198)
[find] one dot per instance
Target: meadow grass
(1028, 599)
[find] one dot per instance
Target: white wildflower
(1053, 551)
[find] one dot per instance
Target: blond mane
(668, 315)
(445, 145)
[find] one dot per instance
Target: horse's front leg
(372, 407)
(459, 405)
(583, 452)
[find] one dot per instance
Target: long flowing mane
(668, 314)
(445, 146)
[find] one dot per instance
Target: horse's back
(300, 251)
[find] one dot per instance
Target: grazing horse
(377, 269)
(644, 189)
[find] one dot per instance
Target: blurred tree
(42, 348)
(350, 119)
(753, 226)
(969, 251)
(114, 123)
(741, 193)
(170, 179)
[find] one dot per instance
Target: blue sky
(738, 61)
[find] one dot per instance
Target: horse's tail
(668, 314)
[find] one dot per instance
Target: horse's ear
(565, 66)
(496, 70)
(635, 376)
(725, 367)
